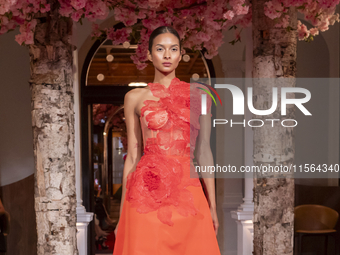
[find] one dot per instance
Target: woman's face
(165, 49)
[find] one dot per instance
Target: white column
(232, 186)
(244, 215)
(83, 217)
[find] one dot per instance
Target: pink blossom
(236, 2)
(118, 36)
(189, 22)
(29, 38)
(240, 10)
(334, 18)
(202, 36)
(319, 13)
(95, 30)
(302, 31)
(65, 9)
(271, 8)
(96, 10)
(213, 45)
(45, 8)
(314, 31)
(284, 22)
(186, 12)
(155, 3)
(324, 25)
(6, 5)
(200, 26)
(78, 4)
(246, 20)
(229, 15)
(125, 15)
(20, 38)
(26, 32)
(315, 21)
(3, 20)
(11, 25)
(77, 15)
(328, 3)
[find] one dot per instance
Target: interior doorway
(109, 151)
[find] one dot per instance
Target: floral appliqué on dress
(163, 172)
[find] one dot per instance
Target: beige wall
(16, 148)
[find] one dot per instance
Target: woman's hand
(214, 218)
(116, 229)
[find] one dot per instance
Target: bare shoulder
(133, 99)
(133, 95)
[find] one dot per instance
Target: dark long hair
(162, 30)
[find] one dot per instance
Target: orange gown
(165, 211)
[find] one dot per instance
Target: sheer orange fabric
(165, 210)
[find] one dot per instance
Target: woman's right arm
(134, 140)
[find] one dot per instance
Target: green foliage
(309, 39)
(234, 26)
(235, 41)
(9, 15)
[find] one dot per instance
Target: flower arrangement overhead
(199, 23)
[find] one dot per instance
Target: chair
(312, 220)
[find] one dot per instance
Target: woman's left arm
(204, 160)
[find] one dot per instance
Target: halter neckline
(171, 83)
